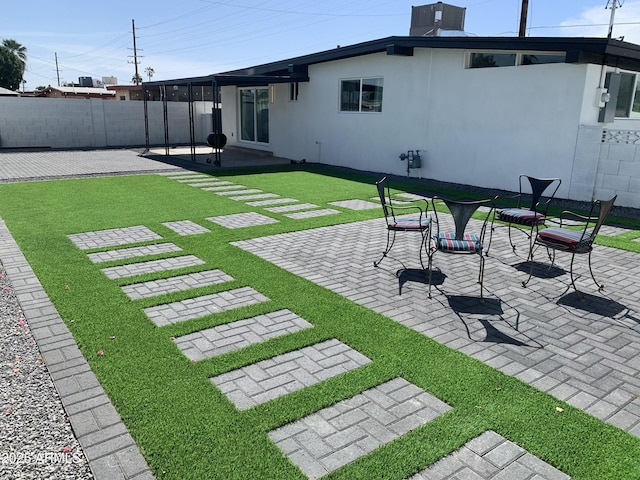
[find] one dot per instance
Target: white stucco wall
(94, 123)
(481, 127)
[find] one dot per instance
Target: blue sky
(200, 37)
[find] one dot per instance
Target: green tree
(11, 70)
(137, 79)
(18, 50)
(149, 71)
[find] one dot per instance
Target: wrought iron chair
(527, 219)
(460, 241)
(397, 222)
(574, 241)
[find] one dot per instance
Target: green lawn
(185, 427)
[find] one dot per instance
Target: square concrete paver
(335, 436)
(186, 227)
(241, 220)
(272, 378)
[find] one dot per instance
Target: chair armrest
(567, 215)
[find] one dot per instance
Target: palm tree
(17, 49)
(149, 71)
(136, 79)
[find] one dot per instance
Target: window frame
(632, 107)
(378, 85)
(519, 57)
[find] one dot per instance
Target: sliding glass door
(254, 115)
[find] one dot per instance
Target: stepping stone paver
(186, 227)
(239, 192)
(291, 208)
(152, 266)
(272, 378)
(490, 456)
(194, 178)
(274, 201)
(412, 196)
(312, 213)
(223, 188)
(255, 196)
(356, 204)
(132, 252)
(175, 312)
(337, 435)
(113, 237)
(175, 284)
(233, 336)
(211, 183)
(241, 220)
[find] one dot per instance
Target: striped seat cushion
(521, 216)
(565, 239)
(447, 242)
(409, 224)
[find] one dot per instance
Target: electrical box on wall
(602, 97)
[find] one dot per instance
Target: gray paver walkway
(586, 353)
(272, 378)
(113, 237)
(133, 252)
(175, 284)
(169, 313)
(186, 227)
(312, 213)
(233, 336)
(274, 201)
(334, 436)
(242, 220)
(152, 266)
(356, 204)
(292, 208)
(490, 456)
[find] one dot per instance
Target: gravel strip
(36, 439)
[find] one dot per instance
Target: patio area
(581, 351)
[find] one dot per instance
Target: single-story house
(7, 92)
(479, 110)
(76, 92)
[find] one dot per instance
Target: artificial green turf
(184, 425)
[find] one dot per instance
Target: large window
(361, 95)
(628, 98)
(254, 115)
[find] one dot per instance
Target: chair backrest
(381, 185)
(604, 209)
(462, 211)
(538, 187)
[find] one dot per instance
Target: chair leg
(429, 268)
(526, 282)
(491, 233)
(513, 245)
(481, 277)
(599, 285)
(391, 238)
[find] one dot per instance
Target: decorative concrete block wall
(95, 123)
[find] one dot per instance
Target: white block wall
(95, 123)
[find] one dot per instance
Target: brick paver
(175, 284)
(133, 252)
(152, 266)
(241, 220)
(113, 237)
(233, 336)
(356, 204)
(292, 208)
(274, 201)
(175, 312)
(246, 191)
(190, 180)
(256, 196)
(223, 188)
(272, 378)
(335, 436)
(490, 456)
(186, 227)
(583, 352)
(312, 213)
(209, 183)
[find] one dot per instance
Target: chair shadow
(540, 269)
(496, 336)
(593, 304)
(469, 304)
(417, 275)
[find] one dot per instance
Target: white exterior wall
(94, 123)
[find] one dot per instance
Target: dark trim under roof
(599, 51)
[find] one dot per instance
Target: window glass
(539, 59)
(482, 60)
(625, 94)
(247, 116)
(635, 109)
(350, 96)
(262, 115)
(293, 91)
(372, 95)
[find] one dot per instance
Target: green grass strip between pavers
(185, 426)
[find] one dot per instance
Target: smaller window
(483, 60)
(362, 95)
(628, 98)
(293, 91)
(541, 58)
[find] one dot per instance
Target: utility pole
(57, 69)
(135, 52)
(523, 18)
(613, 14)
